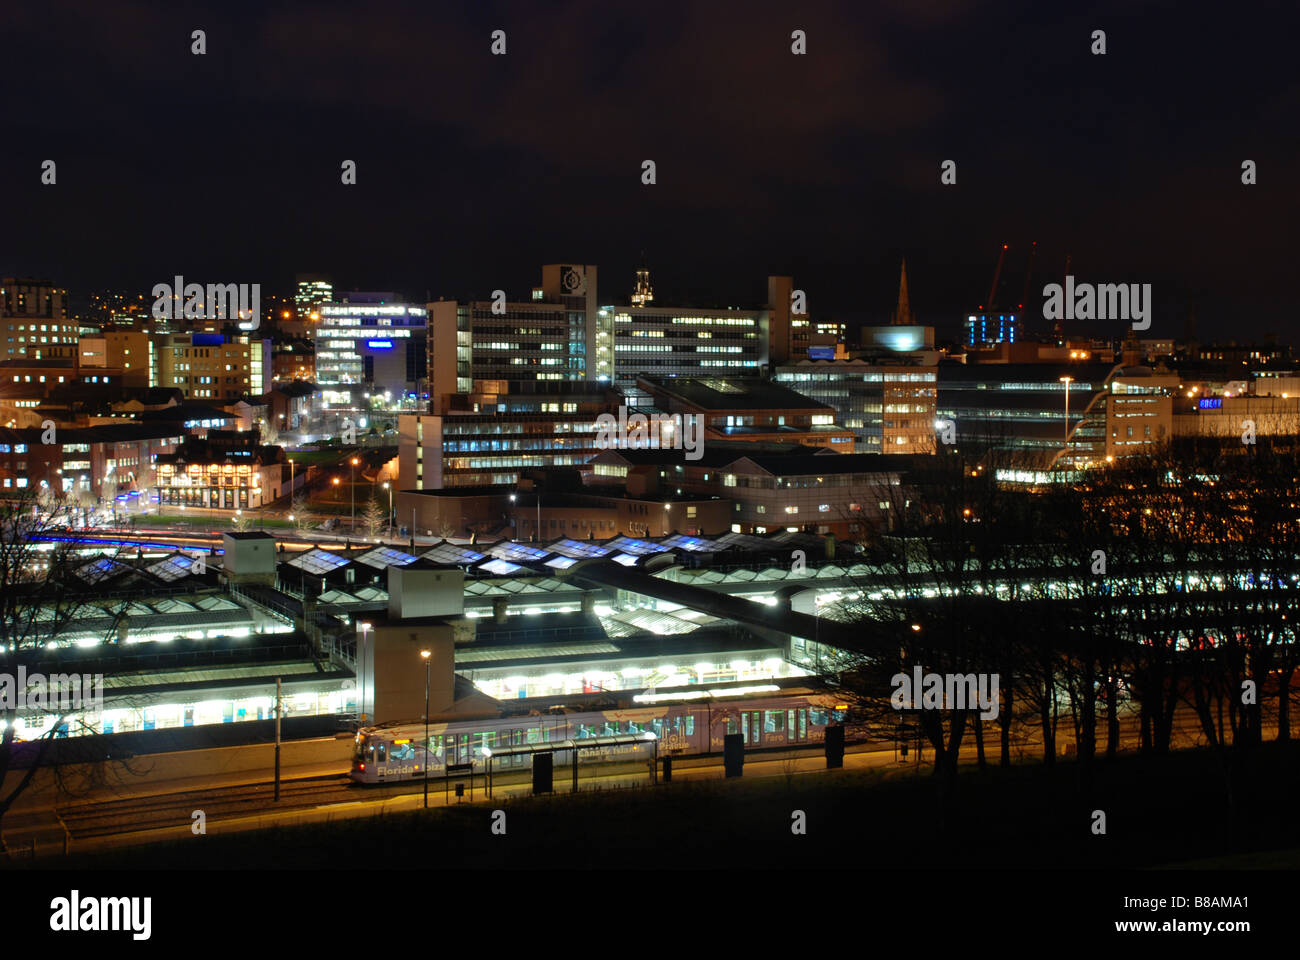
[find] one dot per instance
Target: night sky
(474, 170)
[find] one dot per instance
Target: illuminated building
(887, 401)
(226, 471)
(311, 292)
(490, 437)
(558, 335)
(211, 366)
(34, 317)
(368, 346)
(685, 341)
(989, 328)
(793, 336)
(749, 409)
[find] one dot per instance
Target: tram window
(816, 717)
(534, 734)
(731, 725)
(690, 724)
(489, 740)
(402, 751)
(383, 753)
(803, 724)
(633, 727)
(583, 731)
(658, 726)
(773, 721)
(744, 725)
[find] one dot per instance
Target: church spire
(903, 315)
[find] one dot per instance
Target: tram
(684, 722)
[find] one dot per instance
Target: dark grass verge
(1159, 811)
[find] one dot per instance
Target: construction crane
(997, 274)
(1029, 275)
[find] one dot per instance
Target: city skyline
(851, 443)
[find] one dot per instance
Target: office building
(748, 409)
(210, 366)
(490, 437)
(370, 353)
(34, 318)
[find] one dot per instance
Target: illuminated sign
(1211, 403)
(379, 344)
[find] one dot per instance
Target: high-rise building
(792, 335)
(888, 402)
(370, 347)
(685, 341)
(34, 317)
(558, 335)
(312, 290)
(489, 437)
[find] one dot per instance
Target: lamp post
(291, 481)
(514, 520)
(389, 487)
(361, 669)
(427, 752)
(667, 507)
(352, 484)
(1067, 381)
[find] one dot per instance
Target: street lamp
(1067, 381)
(427, 752)
(352, 483)
(389, 487)
(291, 481)
(361, 668)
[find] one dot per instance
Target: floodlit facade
(889, 406)
(370, 347)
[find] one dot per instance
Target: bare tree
(373, 516)
(47, 588)
(304, 518)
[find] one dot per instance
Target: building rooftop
(730, 393)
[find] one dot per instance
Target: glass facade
(361, 345)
